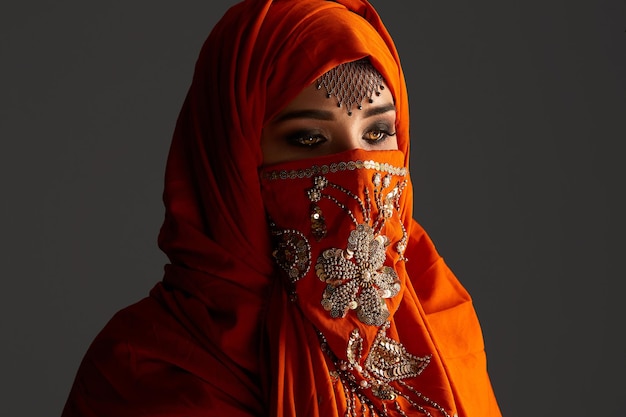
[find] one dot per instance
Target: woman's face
(313, 125)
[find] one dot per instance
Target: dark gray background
(518, 118)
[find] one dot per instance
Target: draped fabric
(221, 334)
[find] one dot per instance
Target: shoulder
(147, 361)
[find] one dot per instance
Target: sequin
(318, 222)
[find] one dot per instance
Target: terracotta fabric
(220, 335)
(352, 199)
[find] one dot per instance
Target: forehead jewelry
(351, 83)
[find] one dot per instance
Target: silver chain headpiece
(352, 82)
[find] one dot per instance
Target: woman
(298, 282)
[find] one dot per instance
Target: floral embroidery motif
(388, 204)
(386, 361)
(292, 253)
(383, 372)
(357, 279)
(318, 223)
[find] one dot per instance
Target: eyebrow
(305, 114)
(373, 111)
(328, 115)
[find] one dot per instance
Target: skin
(312, 125)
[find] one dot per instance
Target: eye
(306, 139)
(377, 135)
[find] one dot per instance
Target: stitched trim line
(334, 167)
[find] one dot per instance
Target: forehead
(315, 98)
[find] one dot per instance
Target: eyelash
(383, 133)
(308, 139)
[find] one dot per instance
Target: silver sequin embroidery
(357, 279)
(383, 372)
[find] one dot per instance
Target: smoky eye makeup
(387, 126)
(382, 125)
(305, 138)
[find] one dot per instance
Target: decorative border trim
(334, 167)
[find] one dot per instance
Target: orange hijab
(219, 335)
